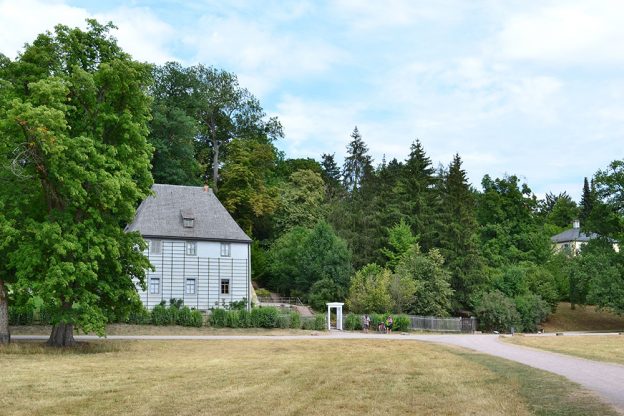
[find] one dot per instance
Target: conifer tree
(458, 240)
(419, 196)
(357, 164)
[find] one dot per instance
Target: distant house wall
(205, 276)
(576, 247)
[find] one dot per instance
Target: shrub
(139, 317)
(161, 315)
(264, 317)
(319, 322)
(232, 319)
(533, 310)
(197, 318)
(376, 319)
(283, 321)
(401, 323)
(295, 320)
(497, 312)
(353, 322)
(244, 318)
(238, 305)
(218, 318)
(308, 323)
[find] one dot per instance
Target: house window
(225, 286)
(225, 249)
(190, 286)
(188, 222)
(154, 286)
(191, 248)
(155, 247)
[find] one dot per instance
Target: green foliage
(295, 320)
(496, 312)
(218, 318)
(189, 317)
(301, 201)
(402, 323)
(244, 190)
(264, 317)
(78, 103)
(162, 315)
(401, 240)
(369, 290)
(532, 310)
(432, 282)
(139, 317)
(353, 322)
(263, 292)
(302, 257)
(323, 291)
(320, 322)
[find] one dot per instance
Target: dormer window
(188, 218)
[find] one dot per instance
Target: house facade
(199, 253)
(573, 240)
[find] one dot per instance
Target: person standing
(389, 323)
(366, 323)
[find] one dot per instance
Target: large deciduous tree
(76, 122)
(226, 111)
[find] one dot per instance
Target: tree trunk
(5, 334)
(215, 165)
(62, 335)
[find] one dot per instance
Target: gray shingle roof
(573, 234)
(160, 215)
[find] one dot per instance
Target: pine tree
(459, 233)
(419, 197)
(357, 164)
(588, 200)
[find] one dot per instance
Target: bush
(497, 312)
(244, 318)
(295, 320)
(139, 317)
(376, 319)
(218, 318)
(283, 321)
(161, 315)
(401, 323)
(264, 317)
(320, 323)
(533, 310)
(232, 319)
(238, 305)
(353, 322)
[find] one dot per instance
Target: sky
(530, 88)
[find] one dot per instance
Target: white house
(200, 254)
(573, 240)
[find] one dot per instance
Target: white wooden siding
(173, 267)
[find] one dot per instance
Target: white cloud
(578, 32)
(22, 21)
(261, 56)
(140, 33)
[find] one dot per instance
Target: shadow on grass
(40, 347)
(545, 393)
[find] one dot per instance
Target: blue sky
(534, 89)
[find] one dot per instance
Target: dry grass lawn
(583, 318)
(594, 347)
(307, 377)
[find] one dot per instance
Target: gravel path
(605, 379)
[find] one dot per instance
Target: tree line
(86, 131)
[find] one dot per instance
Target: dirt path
(607, 380)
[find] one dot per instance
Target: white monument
(338, 307)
